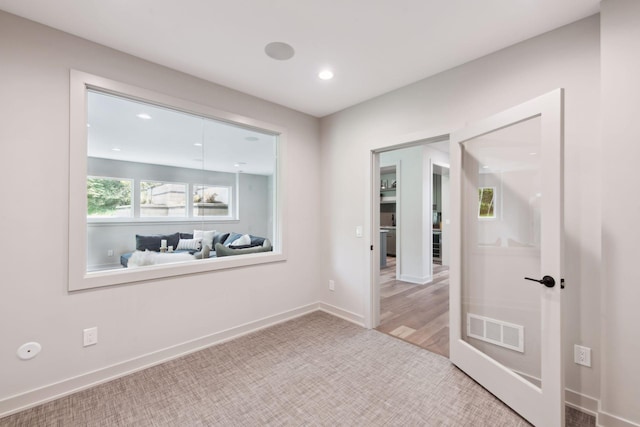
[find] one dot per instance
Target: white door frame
(372, 295)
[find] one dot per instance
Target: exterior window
(162, 199)
(108, 197)
(211, 201)
(486, 202)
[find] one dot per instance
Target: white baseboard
(343, 314)
(416, 279)
(608, 420)
(591, 405)
(581, 402)
(87, 380)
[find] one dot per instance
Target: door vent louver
(496, 332)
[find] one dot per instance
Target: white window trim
(79, 278)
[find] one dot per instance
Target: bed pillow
(153, 242)
(189, 245)
(186, 235)
(205, 236)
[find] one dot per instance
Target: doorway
(412, 278)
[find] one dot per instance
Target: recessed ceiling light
(239, 164)
(198, 144)
(485, 167)
(252, 138)
(115, 149)
(88, 125)
(533, 153)
(325, 75)
(279, 51)
(144, 116)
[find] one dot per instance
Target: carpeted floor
(316, 370)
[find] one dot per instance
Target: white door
(506, 200)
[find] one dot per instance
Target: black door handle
(548, 281)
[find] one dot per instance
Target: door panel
(501, 223)
(507, 208)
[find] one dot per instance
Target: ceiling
(168, 137)
(372, 46)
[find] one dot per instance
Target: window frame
(79, 278)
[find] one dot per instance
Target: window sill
(98, 279)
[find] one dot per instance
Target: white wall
(567, 57)
(139, 319)
(620, 208)
(410, 239)
(414, 209)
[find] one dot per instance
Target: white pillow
(243, 240)
(189, 244)
(205, 236)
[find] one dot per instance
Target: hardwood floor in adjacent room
(418, 314)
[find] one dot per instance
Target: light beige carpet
(316, 370)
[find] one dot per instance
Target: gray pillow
(257, 241)
(222, 250)
(220, 238)
(152, 242)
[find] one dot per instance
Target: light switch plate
(359, 231)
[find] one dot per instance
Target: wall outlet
(332, 285)
(90, 336)
(110, 252)
(582, 355)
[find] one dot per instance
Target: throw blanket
(140, 258)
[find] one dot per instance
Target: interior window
(165, 188)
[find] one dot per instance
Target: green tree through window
(108, 197)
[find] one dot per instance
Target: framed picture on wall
(487, 202)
